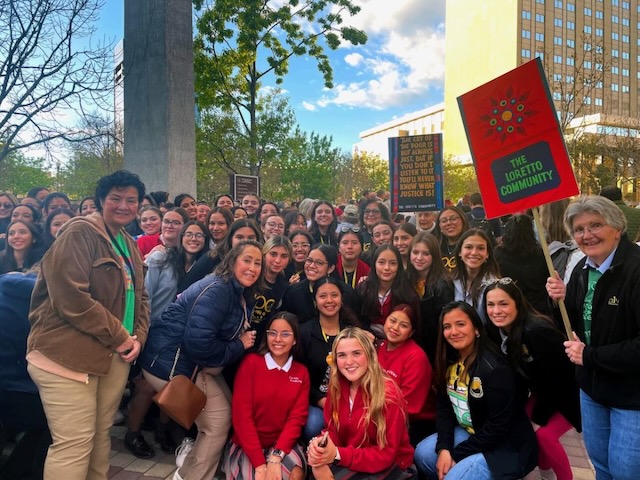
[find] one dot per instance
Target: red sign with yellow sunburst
(517, 148)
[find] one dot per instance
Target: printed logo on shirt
(613, 301)
(475, 389)
(391, 373)
(262, 308)
(295, 379)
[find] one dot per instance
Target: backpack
(484, 225)
(560, 257)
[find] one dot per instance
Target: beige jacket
(79, 296)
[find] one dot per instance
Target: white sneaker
(176, 476)
(181, 453)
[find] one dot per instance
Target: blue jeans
(473, 467)
(612, 438)
(315, 423)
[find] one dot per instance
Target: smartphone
(324, 440)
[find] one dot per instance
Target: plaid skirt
(392, 473)
(237, 466)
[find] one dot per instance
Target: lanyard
(122, 253)
(345, 274)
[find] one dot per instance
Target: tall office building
(590, 50)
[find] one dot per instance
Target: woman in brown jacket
(89, 318)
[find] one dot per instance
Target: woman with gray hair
(604, 309)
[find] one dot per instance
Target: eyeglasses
(317, 263)
(283, 335)
(6, 205)
(300, 245)
(593, 229)
(500, 281)
(452, 219)
(197, 235)
(173, 223)
(374, 211)
(354, 229)
(278, 226)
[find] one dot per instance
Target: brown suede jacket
(79, 297)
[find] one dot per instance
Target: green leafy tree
(459, 179)
(240, 42)
(364, 171)
(18, 173)
(312, 168)
(223, 147)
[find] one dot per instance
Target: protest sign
(516, 144)
(415, 167)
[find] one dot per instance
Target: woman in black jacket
(482, 427)
(535, 349)
(316, 341)
(604, 309)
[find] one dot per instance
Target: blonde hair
(373, 386)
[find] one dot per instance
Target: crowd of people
(330, 341)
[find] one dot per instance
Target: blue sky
(399, 70)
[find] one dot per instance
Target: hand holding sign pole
(517, 147)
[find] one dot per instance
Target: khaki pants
(213, 429)
(79, 417)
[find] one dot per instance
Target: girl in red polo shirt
(269, 408)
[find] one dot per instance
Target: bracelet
(273, 461)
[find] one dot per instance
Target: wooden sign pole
(552, 271)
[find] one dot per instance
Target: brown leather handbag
(181, 399)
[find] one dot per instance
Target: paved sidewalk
(125, 466)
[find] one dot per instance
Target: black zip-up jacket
(611, 371)
(503, 433)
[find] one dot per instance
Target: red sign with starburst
(516, 144)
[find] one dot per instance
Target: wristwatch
(278, 453)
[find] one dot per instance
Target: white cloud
(353, 59)
(308, 106)
(403, 58)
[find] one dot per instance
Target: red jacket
(147, 242)
(269, 407)
(362, 270)
(409, 366)
(369, 457)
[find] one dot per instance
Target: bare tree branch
(50, 71)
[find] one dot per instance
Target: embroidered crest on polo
(614, 301)
(475, 388)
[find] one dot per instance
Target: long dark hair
(490, 267)
(314, 230)
(436, 270)
(346, 315)
(446, 355)
(292, 320)
(400, 288)
(224, 247)
(463, 218)
(526, 313)
(177, 256)
(330, 254)
(519, 239)
(34, 254)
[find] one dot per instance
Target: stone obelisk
(159, 101)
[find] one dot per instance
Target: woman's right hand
(444, 463)
(248, 338)
(555, 287)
